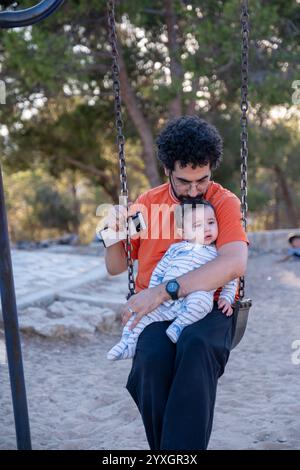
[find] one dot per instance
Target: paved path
(39, 270)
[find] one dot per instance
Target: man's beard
(191, 200)
(183, 199)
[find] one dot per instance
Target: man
(174, 385)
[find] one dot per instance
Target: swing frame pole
(30, 16)
(12, 336)
(8, 20)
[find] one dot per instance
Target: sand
(77, 399)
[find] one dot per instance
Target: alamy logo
(296, 94)
(2, 352)
(295, 357)
(2, 92)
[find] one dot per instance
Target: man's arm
(115, 259)
(230, 263)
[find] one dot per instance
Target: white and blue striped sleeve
(160, 269)
(228, 292)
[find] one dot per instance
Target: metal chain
(120, 137)
(244, 122)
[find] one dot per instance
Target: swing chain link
(120, 136)
(244, 123)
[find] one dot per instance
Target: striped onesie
(179, 259)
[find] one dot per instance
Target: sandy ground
(77, 399)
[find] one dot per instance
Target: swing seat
(240, 319)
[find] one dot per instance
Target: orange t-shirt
(154, 241)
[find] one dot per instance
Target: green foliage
(53, 210)
(59, 111)
(39, 206)
(257, 199)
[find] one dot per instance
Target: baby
(198, 228)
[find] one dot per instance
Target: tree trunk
(76, 203)
(287, 197)
(141, 124)
(276, 221)
(175, 106)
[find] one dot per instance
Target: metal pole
(30, 16)
(14, 19)
(11, 327)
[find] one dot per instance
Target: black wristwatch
(172, 287)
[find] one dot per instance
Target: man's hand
(116, 218)
(142, 303)
(225, 306)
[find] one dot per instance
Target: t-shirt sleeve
(229, 219)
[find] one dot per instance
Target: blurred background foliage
(57, 136)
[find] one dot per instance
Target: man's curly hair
(189, 140)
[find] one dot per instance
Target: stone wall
(267, 241)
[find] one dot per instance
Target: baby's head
(196, 224)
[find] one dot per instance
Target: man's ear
(167, 172)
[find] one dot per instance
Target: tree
(176, 57)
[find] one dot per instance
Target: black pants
(174, 386)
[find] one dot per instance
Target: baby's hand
(225, 306)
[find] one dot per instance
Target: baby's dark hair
(182, 209)
(189, 140)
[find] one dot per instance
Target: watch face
(172, 286)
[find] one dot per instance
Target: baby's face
(200, 226)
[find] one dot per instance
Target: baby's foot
(173, 332)
(119, 351)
